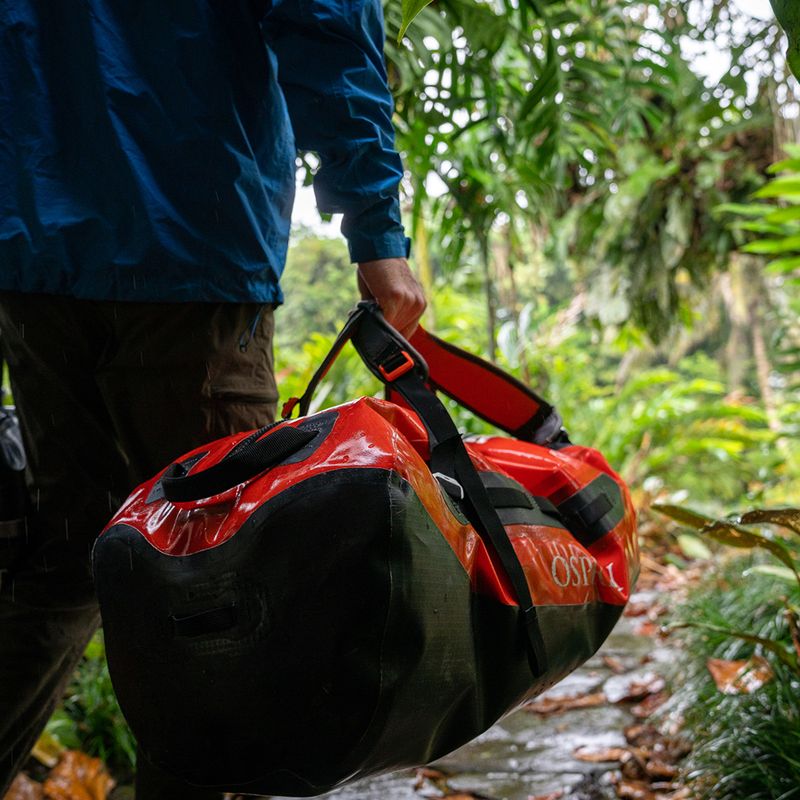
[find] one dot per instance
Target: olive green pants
(107, 394)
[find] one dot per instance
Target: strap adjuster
(401, 369)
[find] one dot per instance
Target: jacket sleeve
(332, 73)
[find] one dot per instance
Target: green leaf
(773, 570)
(743, 209)
(410, 9)
(728, 533)
(788, 518)
(788, 14)
(776, 648)
(781, 215)
(769, 246)
(781, 265)
(683, 515)
(788, 164)
(780, 187)
(693, 547)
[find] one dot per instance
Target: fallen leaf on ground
(659, 769)
(435, 776)
(636, 609)
(559, 704)
(23, 788)
(552, 796)
(614, 664)
(684, 793)
(78, 777)
(641, 735)
(639, 689)
(47, 750)
(634, 790)
(740, 677)
(644, 709)
(600, 756)
(650, 628)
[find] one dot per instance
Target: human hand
(390, 282)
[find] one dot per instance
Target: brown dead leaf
(636, 609)
(611, 754)
(649, 628)
(740, 677)
(642, 735)
(435, 776)
(614, 664)
(23, 788)
(794, 629)
(660, 770)
(552, 796)
(78, 777)
(638, 690)
(644, 709)
(557, 705)
(634, 790)
(684, 793)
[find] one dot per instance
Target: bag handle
(480, 387)
(258, 452)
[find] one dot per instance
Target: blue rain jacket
(147, 147)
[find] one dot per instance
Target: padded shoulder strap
(490, 393)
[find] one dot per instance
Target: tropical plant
(745, 743)
(90, 719)
(582, 129)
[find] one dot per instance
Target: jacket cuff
(389, 245)
(376, 232)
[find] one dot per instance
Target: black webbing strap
(594, 511)
(508, 497)
(378, 344)
(258, 452)
(303, 402)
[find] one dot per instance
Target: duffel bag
(361, 589)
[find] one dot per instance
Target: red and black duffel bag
(361, 589)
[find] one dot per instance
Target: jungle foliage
(744, 743)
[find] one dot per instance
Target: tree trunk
(491, 303)
(425, 270)
(757, 306)
(735, 295)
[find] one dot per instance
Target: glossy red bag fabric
(360, 590)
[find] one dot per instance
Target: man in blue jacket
(147, 161)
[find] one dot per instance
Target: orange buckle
(394, 374)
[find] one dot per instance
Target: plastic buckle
(397, 372)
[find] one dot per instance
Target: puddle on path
(525, 755)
